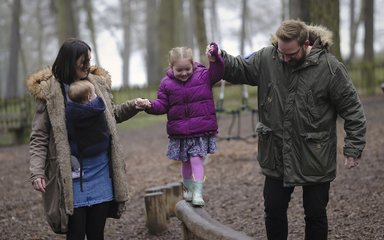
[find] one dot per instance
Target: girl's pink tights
(193, 168)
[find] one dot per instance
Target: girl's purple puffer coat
(189, 105)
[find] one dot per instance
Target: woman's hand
(39, 184)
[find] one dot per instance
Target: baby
(81, 92)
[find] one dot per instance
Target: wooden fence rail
(16, 116)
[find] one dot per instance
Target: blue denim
(97, 182)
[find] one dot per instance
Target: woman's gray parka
(50, 151)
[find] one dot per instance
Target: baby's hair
(177, 53)
(79, 91)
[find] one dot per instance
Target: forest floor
(233, 188)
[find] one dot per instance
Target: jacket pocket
(316, 153)
(266, 156)
(54, 206)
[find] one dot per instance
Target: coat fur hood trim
(315, 32)
(38, 81)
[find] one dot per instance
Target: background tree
(189, 26)
(353, 24)
(327, 13)
(127, 19)
(369, 73)
(174, 23)
(324, 13)
(170, 22)
(299, 9)
(14, 46)
(151, 50)
(67, 24)
(91, 26)
(200, 30)
(214, 22)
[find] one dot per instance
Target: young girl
(185, 95)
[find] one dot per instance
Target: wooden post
(155, 212)
(154, 189)
(174, 194)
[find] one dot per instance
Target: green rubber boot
(187, 189)
(197, 198)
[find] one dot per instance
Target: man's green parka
(298, 109)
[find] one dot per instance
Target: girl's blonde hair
(177, 53)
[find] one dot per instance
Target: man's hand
(351, 162)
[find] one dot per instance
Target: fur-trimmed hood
(38, 81)
(318, 35)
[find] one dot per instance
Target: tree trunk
(168, 23)
(154, 71)
(243, 36)
(92, 30)
(354, 24)
(40, 34)
(14, 47)
(190, 24)
(127, 23)
(66, 20)
(299, 9)
(201, 33)
(369, 73)
(325, 12)
(215, 23)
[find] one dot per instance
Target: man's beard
(295, 62)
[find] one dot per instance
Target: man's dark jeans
(276, 201)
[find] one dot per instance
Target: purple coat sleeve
(216, 69)
(160, 105)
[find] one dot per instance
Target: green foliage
(367, 77)
(233, 96)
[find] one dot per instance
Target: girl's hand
(212, 51)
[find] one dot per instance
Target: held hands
(212, 51)
(351, 162)
(142, 104)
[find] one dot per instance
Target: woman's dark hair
(64, 67)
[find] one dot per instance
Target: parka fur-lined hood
(38, 80)
(321, 34)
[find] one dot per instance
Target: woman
(77, 208)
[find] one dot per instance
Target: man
(302, 88)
